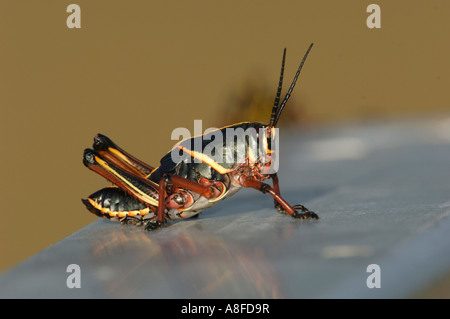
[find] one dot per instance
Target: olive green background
(138, 69)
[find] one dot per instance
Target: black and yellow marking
(113, 202)
(207, 160)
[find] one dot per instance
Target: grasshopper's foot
(305, 213)
(154, 224)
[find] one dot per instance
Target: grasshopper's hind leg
(120, 158)
(138, 188)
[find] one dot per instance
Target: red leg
(120, 158)
(265, 188)
(161, 216)
(143, 189)
(162, 200)
(211, 191)
(274, 192)
(276, 188)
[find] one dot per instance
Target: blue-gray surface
(383, 196)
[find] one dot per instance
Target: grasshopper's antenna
(277, 97)
(288, 94)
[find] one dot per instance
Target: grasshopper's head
(277, 108)
(269, 136)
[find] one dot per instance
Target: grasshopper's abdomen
(115, 204)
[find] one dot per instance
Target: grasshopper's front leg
(305, 211)
(276, 188)
(280, 203)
